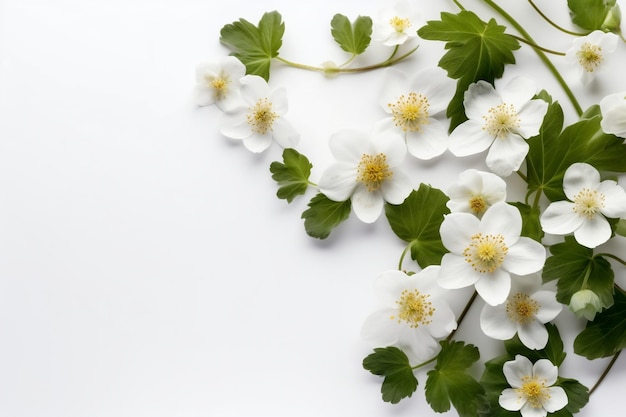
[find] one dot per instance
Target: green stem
(424, 363)
(458, 4)
(312, 184)
(610, 255)
(606, 372)
(547, 19)
(540, 53)
(522, 176)
(463, 314)
(586, 278)
(404, 252)
(537, 198)
(533, 45)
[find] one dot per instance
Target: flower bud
(613, 20)
(585, 303)
(331, 70)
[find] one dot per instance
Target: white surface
(146, 267)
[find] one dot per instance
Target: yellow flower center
(534, 391)
(410, 112)
(400, 24)
(261, 117)
(521, 308)
(589, 56)
(588, 202)
(219, 86)
(486, 253)
(414, 308)
(373, 171)
(501, 120)
(477, 204)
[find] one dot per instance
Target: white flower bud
(585, 303)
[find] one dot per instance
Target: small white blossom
(526, 310)
(413, 313)
(485, 252)
(257, 118)
(366, 171)
(613, 109)
(395, 25)
(589, 53)
(590, 202)
(476, 191)
(532, 391)
(417, 109)
(219, 82)
(501, 119)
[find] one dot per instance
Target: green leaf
(620, 229)
(494, 382)
(577, 394)
(393, 364)
(324, 214)
(570, 263)
(476, 51)
(449, 381)
(606, 334)
(553, 351)
(255, 46)
(352, 37)
(589, 14)
(417, 221)
(292, 175)
(531, 227)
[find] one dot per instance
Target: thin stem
(610, 255)
(522, 176)
(537, 198)
(424, 363)
(547, 19)
(300, 66)
(586, 278)
(312, 184)
(540, 53)
(458, 4)
(550, 51)
(463, 314)
(404, 252)
(606, 372)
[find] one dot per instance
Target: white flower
(589, 53)
(394, 25)
(525, 312)
(589, 202)
(476, 191)
(258, 117)
(613, 109)
(413, 313)
(417, 108)
(500, 119)
(585, 303)
(532, 392)
(366, 171)
(485, 252)
(219, 82)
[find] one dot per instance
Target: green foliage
(590, 14)
(476, 51)
(449, 381)
(393, 364)
(606, 334)
(620, 228)
(531, 226)
(292, 175)
(417, 221)
(352, 37)
(553, 351)
(255, 46)
(324, 214)
(575, 267)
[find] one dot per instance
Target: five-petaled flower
(476, 191)
(613, 109)
(258, 116)
(366, 171)
(589, 53)
(485, 252)
(417, 108)
(395, 25)
(526, 310)
(590, 202)
(413, 313)
(532, 391)
(501, 119)
(219, 82)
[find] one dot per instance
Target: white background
(146, 266)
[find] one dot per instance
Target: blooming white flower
(501, 119)
(366, 171)
(532, 389)
(395, 25)
(484, 252)
(258, 116)
(219, 82)
(413, 313)
(417, 108)
(476, 191)
(589, 53)
(585, 303)
(525, 312)
(613, 109)
(590, 200)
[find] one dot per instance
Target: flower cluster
(523, 261)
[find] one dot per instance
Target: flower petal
(257, 143)
(436, 86)
(578, 176)
(349, 145)
(518, 91)
(284, 133)
(495, 322)
(549, 307)
(396, 189)
(443, 320)
(478, 99)
(456, 273)
(456, 231)
(556, 400)
(593, 232)
(525, 257)
(515, 370)
(430, 142)
(367, 205)
(234, 125)
(614, 199)
(494, 287)
(559, 218)
(533, 335)
(502, 219)
(469, 138)
(531, 117)
(507, 154)
(338, 181)
(379, 329)
(510, 400)
(530, 411)
(543, 368)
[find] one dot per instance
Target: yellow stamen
(501, 120)
(261, 117)
(410, 112)
(534, 391)
(589, 56)
(521, 308)
(486, 253)
(400, 24)
(219, 86)
(477, 204)
(414, 308)
(588, 202)
(373, 171)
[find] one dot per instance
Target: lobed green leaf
(292, 175)
(393, 364)
(590, 14)
(531, 226)
(352, 37)
(324, 214)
